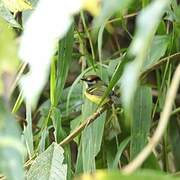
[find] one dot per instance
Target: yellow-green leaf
(17, 5)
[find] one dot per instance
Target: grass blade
(63, 63)
(142, 120)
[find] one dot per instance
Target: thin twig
(127, 16)
(124, 17)
(175, 111)
(13, 86)
(159, 63)
(171, 94)
(85, 123)
(88, 35)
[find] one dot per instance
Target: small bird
(95, 89)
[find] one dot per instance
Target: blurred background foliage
(134, 47)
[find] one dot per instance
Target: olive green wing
(97, 90)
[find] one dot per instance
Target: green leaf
(157, 50)
(8, 16)
(120, 150)
(18, 103)
(110, 149)
(74, 103)
(27, 133)
(79, 162)
(151, 162)
(174, 135)
(100, 41)
(142, 120)
(74, 124)
(91, 137)
(60, 134)
(52, 81)
(63, 63)
(49, 165)
(11, 149)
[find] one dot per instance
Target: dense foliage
(133, 46)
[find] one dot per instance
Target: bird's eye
(91, 81)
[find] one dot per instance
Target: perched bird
(95, 89)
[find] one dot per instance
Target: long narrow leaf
(142, 120)
(91, 137)
(63, 62)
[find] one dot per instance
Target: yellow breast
(96, 99)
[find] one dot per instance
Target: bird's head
(91, 79)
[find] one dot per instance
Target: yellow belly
(96, 99)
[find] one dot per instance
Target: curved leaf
(49, 165)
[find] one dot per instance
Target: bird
(95, 89)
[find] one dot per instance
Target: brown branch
(85, 123)
(170, 97)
